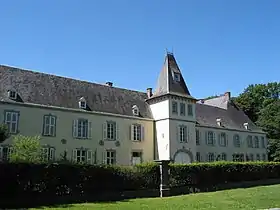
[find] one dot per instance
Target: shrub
(4, 132)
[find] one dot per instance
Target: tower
(173, 109)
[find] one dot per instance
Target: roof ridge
(66, 77)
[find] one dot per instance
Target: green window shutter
(142, 133)
(89, 129)
(74, 155)
(75, 128)
(105, 131)
(89, 157)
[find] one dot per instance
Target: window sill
(46, 135)
(137, 141)
(110, 139)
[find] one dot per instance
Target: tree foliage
(261, 102)
(4, 132)
(26, 149)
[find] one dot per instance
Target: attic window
(82, 103)
(12, 94)
(177, 77)
(246, 126)
(219, 121)
(135, 110)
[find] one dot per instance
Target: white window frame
(264, 157)
(251, 157)
(82, 155)
(182, 109)
(79, 127)
(48, 154)
(133, 161)
(198, 157)
(174, 107)
(111, 131)
(210, 138)
(256, 142)
(250, 141)
(190, 110)
(136, 132)
(236, 140)
(224, 157)
(8, 150)
(12, 94)
(258, 157)
(183, 132)
(262, 142)
(210, 157)
(49, 125)
(223, 139)
(111, 157)
(11, 121)
(135, 110)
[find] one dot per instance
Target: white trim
(11, 121)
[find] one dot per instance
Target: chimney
(246, 125)
(109, 84)
(149, 92)
(227, 94)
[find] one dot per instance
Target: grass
(251, 198)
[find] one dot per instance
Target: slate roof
(166, 83)
(46, 89)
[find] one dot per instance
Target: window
(82, 155)
(224, 156)
(182, 134)
(210, 138)
(236, 140)
(5, 152)
(264, 157)
(197, 137)
(238, 157)
(177, 77)
(135, 110)
(182, 109)
(12, 94)
(111, 131)
(48, 154)
(190, 109)
(257, 143)
(258, 158)
(250, 141)
(110, 157)
(136, 158)
(83, 104)
(49, 125)
(262, 142)
(11, 120)
(174, 107)
(82, 129)
(223, 139)
(251, 157)
(198, 158)
(211, 157)
(137, 131)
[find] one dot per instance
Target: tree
(4, 132)
(261, 103)
(26, 149)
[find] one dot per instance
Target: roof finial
(168, 52)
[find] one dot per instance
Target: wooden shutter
(75, 128)
(178, 133)
(105, 131)
(220, 138)
(206, 142)
(89, 129)
(117, 131)
(52, 154)
(142, 133)
(74, 155)
(131, 132)
(226, 140)
(89, 157)
(214, 138)
(104, 157)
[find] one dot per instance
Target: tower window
(12, 94)
(177, 77)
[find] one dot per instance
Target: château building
(100, 123)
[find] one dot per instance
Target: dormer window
(135, 110)
(246, 126)
(82, 103)
(177, 77)
(12, 94)
(219, 122)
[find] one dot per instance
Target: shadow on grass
(43, 200)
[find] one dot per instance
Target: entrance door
(182, 158)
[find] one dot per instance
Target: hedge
(22, 179)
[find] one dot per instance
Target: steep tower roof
(170, 80)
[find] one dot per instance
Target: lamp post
(164, 177)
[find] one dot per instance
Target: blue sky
(220, 45)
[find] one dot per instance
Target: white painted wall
(160, 110)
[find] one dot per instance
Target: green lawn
(249, 199)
